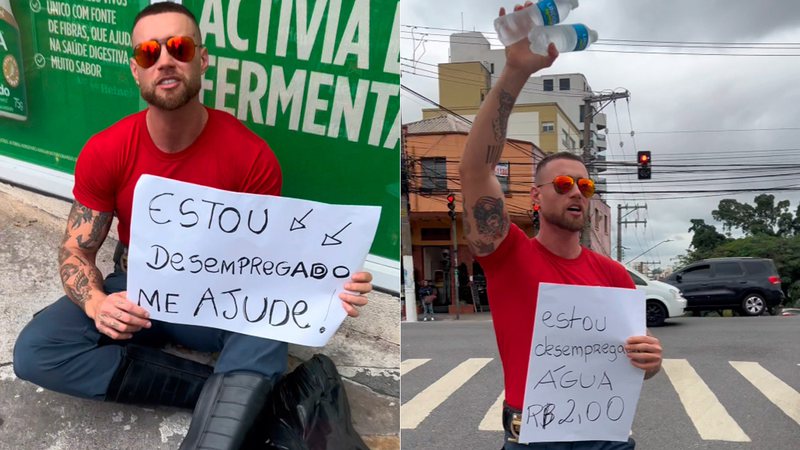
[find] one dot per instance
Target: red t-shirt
(226, 155)
(513, 273)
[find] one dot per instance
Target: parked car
(663, 301)
(749, 285)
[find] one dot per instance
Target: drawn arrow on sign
(331, 240)
(298, 224)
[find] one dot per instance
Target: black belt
(512, 420)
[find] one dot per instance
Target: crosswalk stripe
(778, 392)
(411, 364)
(413, 412)
(709, 417)
(493, 420)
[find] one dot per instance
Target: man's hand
(644, 353)
(360, 284)
(519, 56)
(116, 316)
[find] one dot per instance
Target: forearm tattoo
(493, 153)
(78, 275)
(500, 125)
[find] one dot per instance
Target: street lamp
(644, 252)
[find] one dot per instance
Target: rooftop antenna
(462, 21)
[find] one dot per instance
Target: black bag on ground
(308, 410)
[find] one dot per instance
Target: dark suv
(750, 285)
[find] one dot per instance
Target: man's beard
(565, 221)
(172, 100)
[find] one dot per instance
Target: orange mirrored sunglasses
(564, 183)
(179, 47)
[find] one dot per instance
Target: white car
(663, 300)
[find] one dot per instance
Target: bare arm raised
(486, 218)
(113, 315)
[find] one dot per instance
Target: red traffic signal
(536, 207)
(643, 162)
(451, 206)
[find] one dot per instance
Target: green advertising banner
(317, 79)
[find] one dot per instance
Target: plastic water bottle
(515, 26)
(568, 38)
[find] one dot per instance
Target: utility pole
(454, 260)
(405, 241)
(643, 264)
(621, 222)
(588, 160)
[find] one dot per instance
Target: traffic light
(536, 209)
(451, 206)
(643, 161)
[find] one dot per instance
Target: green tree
(706, 238)
(764, 217)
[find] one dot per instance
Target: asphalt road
(742, 361)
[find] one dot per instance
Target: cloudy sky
(689, 110)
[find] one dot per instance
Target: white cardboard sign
(581, 385)
(261, 265)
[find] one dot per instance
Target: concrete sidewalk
(31, 227)
(485, 316)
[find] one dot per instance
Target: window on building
(434, 175)
(567, 140)
(503, 172)
(491, 67)
(597, 219)
(548, 127)
(435, 234)
(581, 113)
(547, 85)
(563, 84)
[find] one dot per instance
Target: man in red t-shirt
(94, 342)
(514, 264)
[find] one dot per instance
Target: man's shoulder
(230, 125)
(610, 266)
(122, 127)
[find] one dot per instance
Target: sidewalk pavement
(485, 316)
(31, 227)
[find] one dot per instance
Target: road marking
(708, 416)
(413, 412)
(493, 420)
(778, 392)
(411, 364)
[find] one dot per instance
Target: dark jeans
(580, 445)
(61, 349)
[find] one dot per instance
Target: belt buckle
(516, 423)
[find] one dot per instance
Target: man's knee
(48, 339)
(26, 365)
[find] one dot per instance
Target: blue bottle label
(549, 12)
(583, 37)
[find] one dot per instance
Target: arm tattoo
(490, 218)
(78, 275)
(481, 248)
(503, 111)
(79, 215)
(98, 233)
(493, 153)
